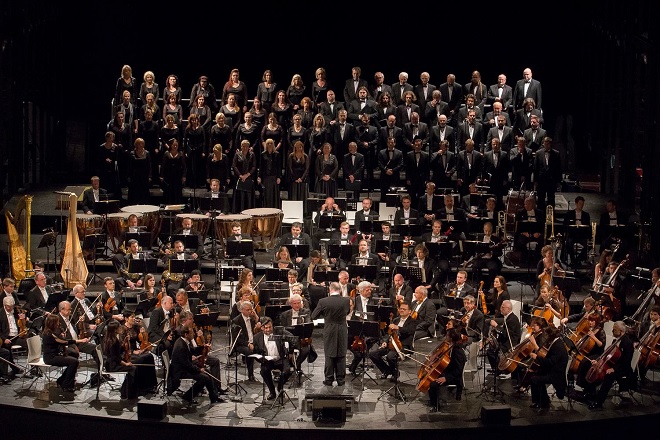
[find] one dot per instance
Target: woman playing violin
(453, 372)
(497, 295)
(547, 267)
(386, 358)
(115, 346)
(135, 333)
(244, 294)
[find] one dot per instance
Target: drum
(88, 224)
(223, 224)
(200, 222)
(150, 218)
(515, 201)
(116, 224)
(266, 223)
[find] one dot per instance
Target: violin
(22, 324)
(596, 373)
(99, 316)
(584, 347)
(359, 345)
(159, 298)
(205, 343)
(143, 337)
(81, 327)
(482, 296)
(126, 346)
(394, 343)
(109, 305)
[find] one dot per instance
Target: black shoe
(535, 406)
(217, 399)
(271, 396)
(4, 380)
(252, 379)
(327, 383)
(384, 375)
(223, 391)
(433, 409)
(341, 383)
(17, 370)
(595, 405)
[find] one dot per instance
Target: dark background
(597, 65)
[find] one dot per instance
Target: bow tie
(342, 124)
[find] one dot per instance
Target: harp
(74, 267)
(18, 225)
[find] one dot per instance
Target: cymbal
(108, 201)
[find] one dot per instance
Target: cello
(596, 373)
(394, 343)
(436, 363)
(649, 349)
(584, 346)
(518, 354)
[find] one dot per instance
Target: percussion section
(117, 223)
(150, 219)
(266, 226)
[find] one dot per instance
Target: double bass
(649, 349)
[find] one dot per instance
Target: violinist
(596, 339)
(9, 289)
(296, 315)
(182, 367)
(160, 322)
(620, 370)
(184, 303)
(54, 352)
(473, 317)
(458, 289)
(244, 294)
(10, 330)
(246, 279)
(37, 297)
(453, 372)
(423, 312)
(344, 282)
(69, 330)
(551, 369)
(112, 301)
(508, 331)
(249, 325)
(613, 286)
(83, 313)
(130, 333)
(360, 313)
(200, 346)
(497, 295)
(116, 350)
(150, 297)
(385, 357)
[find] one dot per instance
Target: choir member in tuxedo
(453, 94)
(468, 166)
(434, 108)
(428, 204)
(521, 158)
(496, 171)
(527, 88)
(503, 133)
(547, 174)
(390, 163)
(418, 169)
(471, 129)
(527, 123)
(390, 130)
(501, 92)
(353, 168)
(443, 166)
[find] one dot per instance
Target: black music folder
(143, 238)
(297, 250)
(148, 265)
(331, 221)
(342, 251)
(206, 319)
(239, 248)
(393, 246)
(277, 274)
(182, 266)
(368, 272)
(190, 241)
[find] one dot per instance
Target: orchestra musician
(491, 259)
(597, 335)
(298, 314)
(109, 293)
(10, 333)
(547, 267)
(588, 308)
(649, 327)
(183, 302)
(114, 348)
(359, 313)
(621, 371)
(150, 295)
(238, 235)
(54, 352)
(508, 331)
(195, 283)
(400, 290)
(187, 229)
(329, 208)
(458, 289)
(182, 367)
(248, 324)
(242, 294)
(386, 358)
(423, 311)
(497, 295)
(297, 237)
(344, 282)
(524, 239)
(93, 195)
(428, 204)
(133, 252)
(576, 217)
(119, 258)
(551, 370)
(37, 297)
(83, 315)
(160, 322)
(365, 258)
(281, 352)
(474, 318)
(431, 272)
(452, 374)
(145, 374)
(547, 301)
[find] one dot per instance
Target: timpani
(200, 222)
(117, 223)
(266, 224)
(223, 224)
(150, 218)
(89, 224)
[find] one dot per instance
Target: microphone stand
(237, 388)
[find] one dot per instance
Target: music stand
(331, 221)
(143, 238)
(55, 298)
(239, 248)
(180, 266)
(190, 241)
(410, 230)
(412, 274)
(475, 225)
(274, 295)
(277, 274)
(578, 235)
(369, 226)
(479, 199)
(457, 227)
(50, 239)
(273, 311)
(148, 265)
(367, 272)
(391, 246)
(567, 285)
(302, 331)
(90, 242)
(297, 250)
(440, 249)
(145, 306)
(218, 204)
(206, 319)
(201, 294)
(341, 251)
(453, 302)
(364, 329)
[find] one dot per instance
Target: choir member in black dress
(270, 176)
(194, 139)
(306, 112)
(320, 87)
(126, 82)
(217, 167)
(249, 131)
(107, 165)
(296, 92)
(327, 168)
(203, 112)
(172, 88)
(205, 88)
(297, 169)
(259, 113)
(139, 174)
(273, 130)
(266, 90)
(282, 109)
(149, 130)
(319, 134)
(244, 166)
(173, 173)
(173, 108)
(234, 86)
(170, 130)
(124, 139)
(297, 132)
(232, 111)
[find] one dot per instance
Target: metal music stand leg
(398, 394)
(236, 387)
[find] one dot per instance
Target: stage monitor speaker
(151, 409)
(496, 415)
(329, 411)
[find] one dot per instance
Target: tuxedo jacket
(406, 292)
(509, 330)
(4, 325)
(355, 109)
(406, 333)
(303, 238)
(181, 364)
(359, 216)
(480, 92)
(418, 172)
(442, 174)
(478, 135)
(431, 112)
(339, 144)
(437, 203)
(375, 93)
(456, 95)
(34, 299)
(585, 219)
(286, 320)
(243, 338)
(157, 324)
(399, 218)
(425, 314)
(397, 90)
(507, 140)
(549, 174)
(531, 142)
(490, 115)
(396, 132)
(534, 91)
(463, 114)
(330, 114)
(350, 91)
(431, 272)
(463, 170)
(396, 163)
(283, 352)
(475, 324)
(402, 117)
(436, 137)
(353, 169)
(419, 93)
(422, 132)
(497, 176)
(521, 165)
(88, 203)
(521, 120)
(507, 95)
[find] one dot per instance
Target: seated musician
(298, 289)
(329, 208)
(588, 308)
(282, 259)
(386, 235)
(111, 311)
(243, 294)
(547, 267)
(366, 213)
(297, 314)
(507, 332)
(452, 374)
(531, 239)
(68, 328)
(182, 367)
(364, 257)
(613, 289)
(648, 329)
(551, 369)
(489, 211)
(449, 212)
(471, 203)
(161, 322)
(93, 195)
(423, 310)
(576, 247)
(489, 260)
(245, 327)
(474, 319)
(132, 280)
(9, 289)
(360, 313)
(84, 314)
(607, 237)
(150, 295)
(238, 235)
(595, 338)
(496, 296)
(400, 290)
(621, 371)
(309, 265)
(406, 215)
(431, 272)
(4, 366)
(296, 237)
(179, 254)
(344, 282)
(10, 331)
(435, 235)
(37, 297)
(218, 201)
(195, 283)
(144, 379)
(186, 229)
(427, 205)
(386, 357)
(547, 301)
(197, 348)
(281, 352)
(118, 259)
(185, 304)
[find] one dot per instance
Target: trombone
(549, 220)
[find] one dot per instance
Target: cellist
(620, 371)
(509, 331)
(453, 372)
(597, 334)
(547, 301)
(551, 370)
(385, 356)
